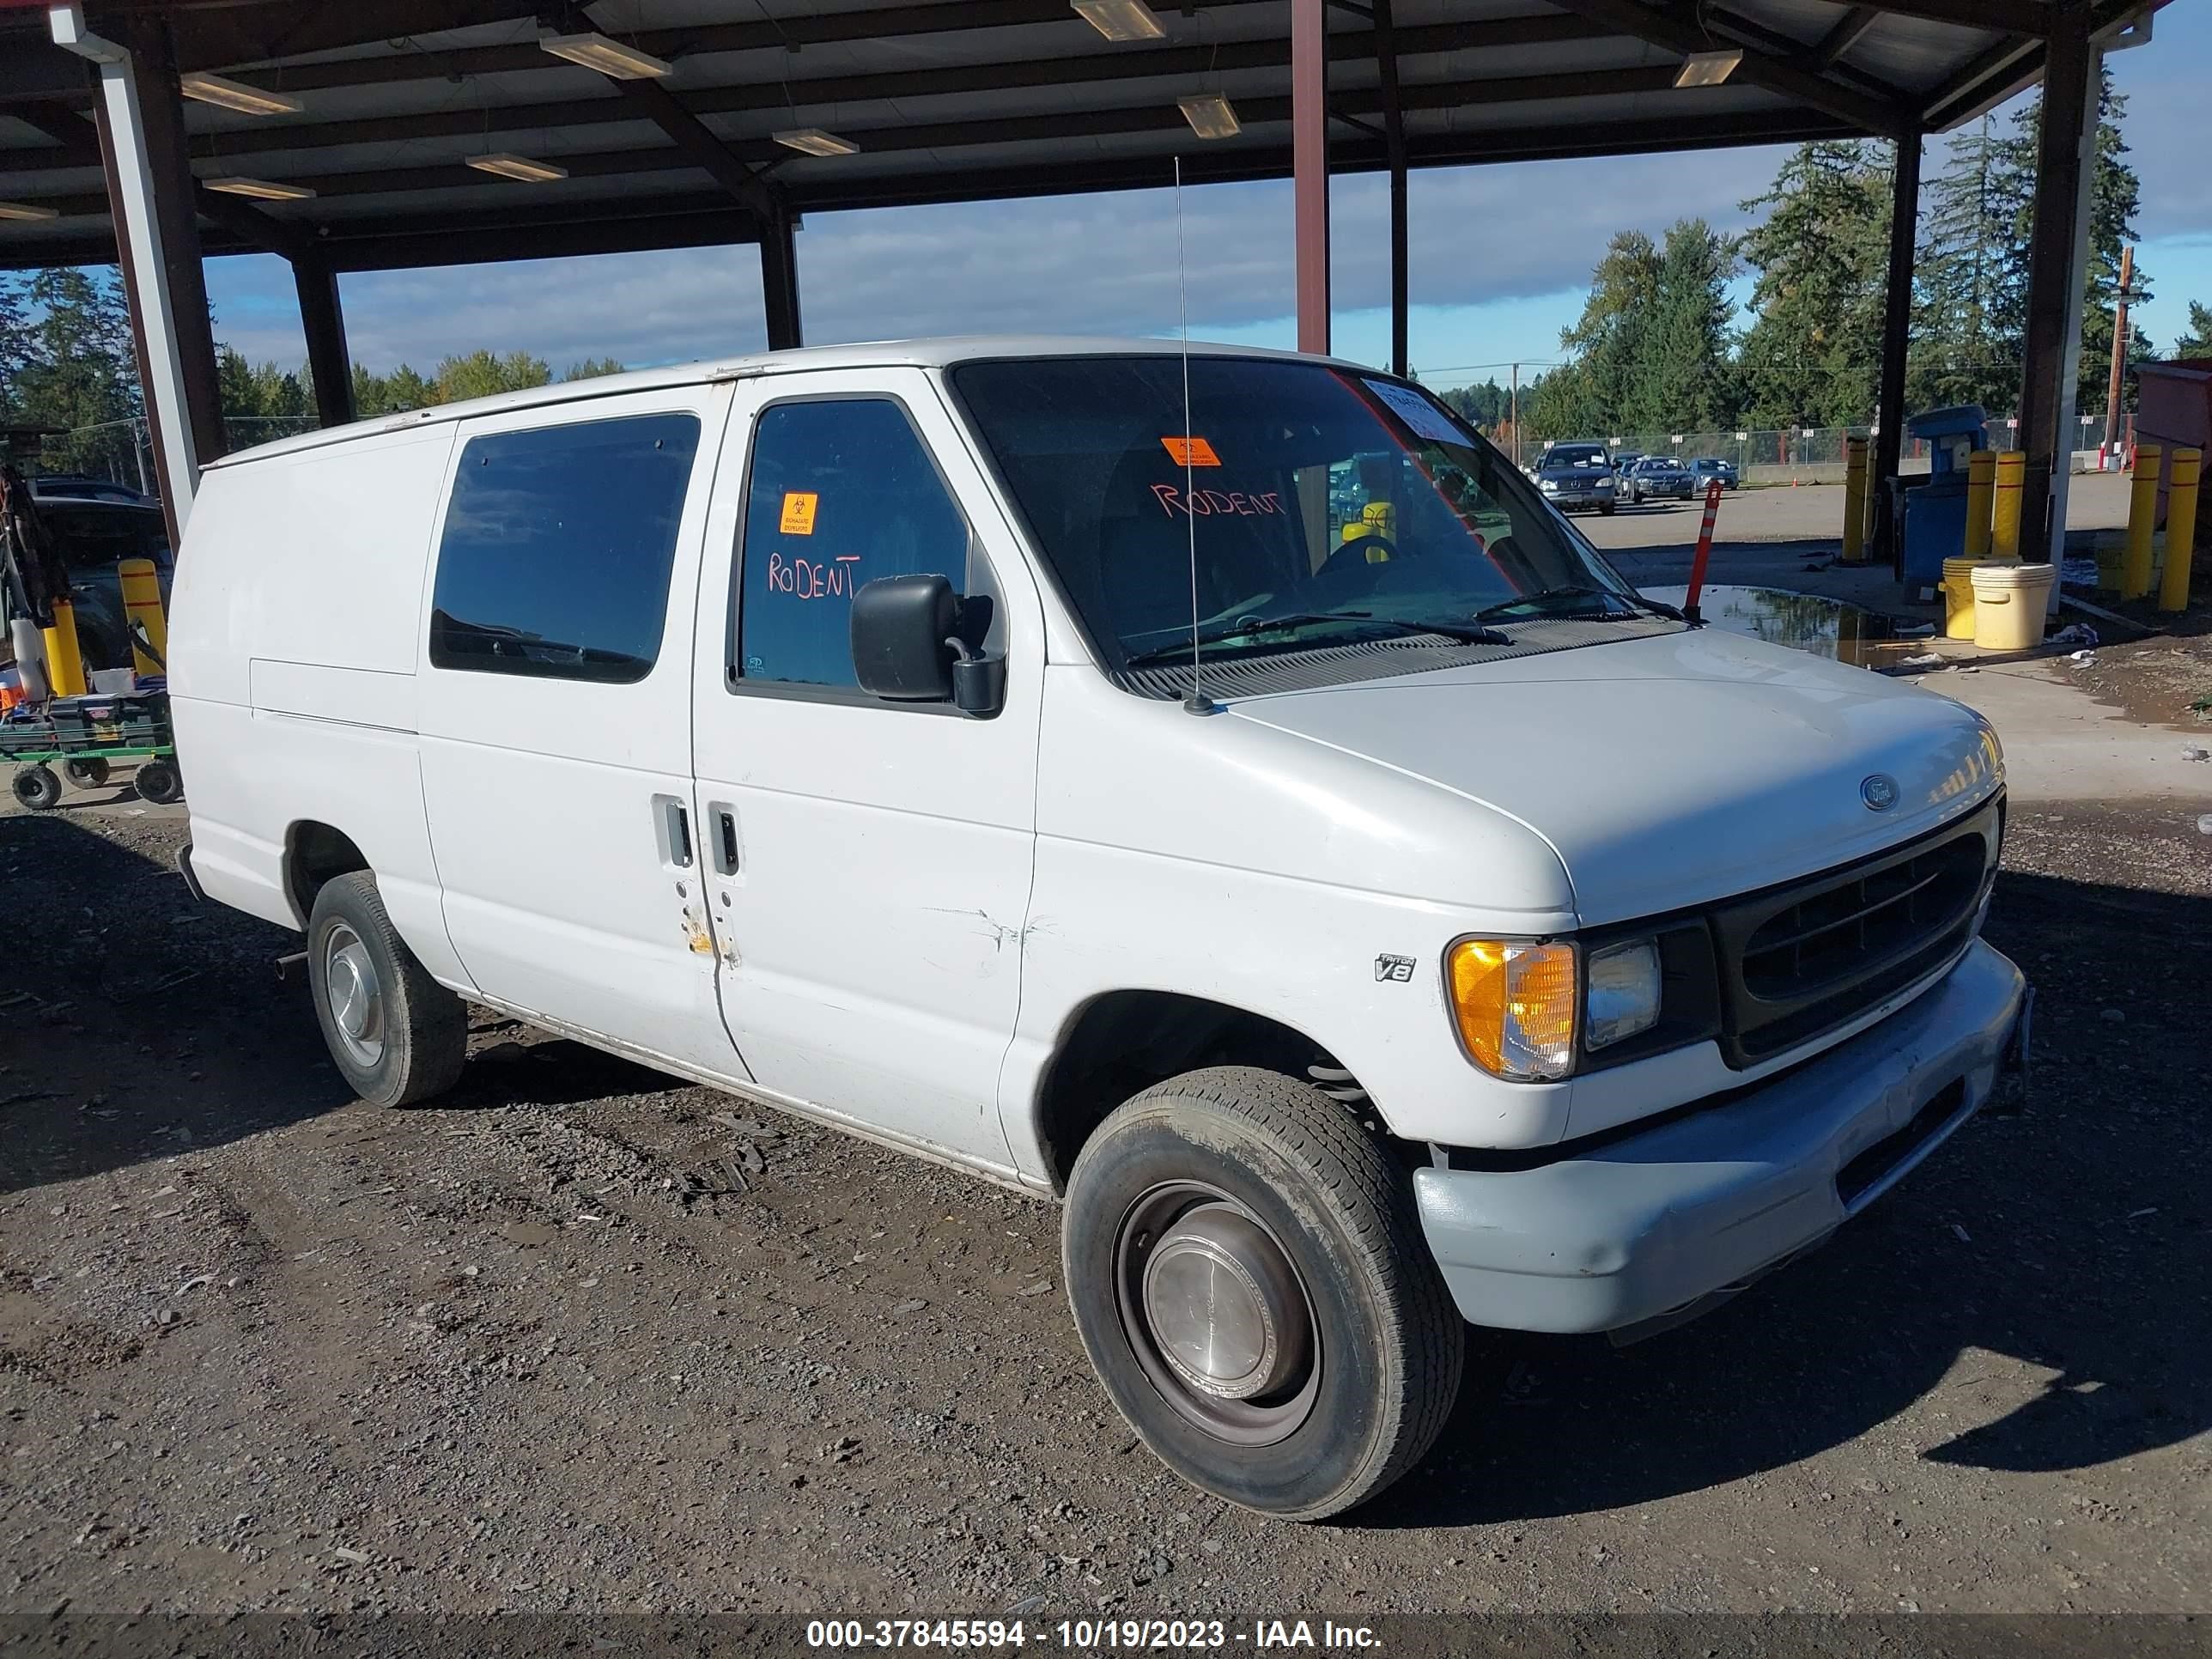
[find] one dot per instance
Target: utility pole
(1513, 413)
(2119, 357)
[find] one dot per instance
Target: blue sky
(1500, 259)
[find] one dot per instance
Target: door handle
(726, 841)
(679, 834)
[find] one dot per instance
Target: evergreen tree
(1682, 381)
(1970, 274)
(591, 367)
(391, 394)
(1592, 393)
(2197, 343)
(78, 370)
(15, 346)
(1971, 300)
(1822, 259)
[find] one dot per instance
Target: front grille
(1802, 959)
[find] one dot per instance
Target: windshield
(1328, 506)
(1573, 455)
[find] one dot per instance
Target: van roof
(875, 354)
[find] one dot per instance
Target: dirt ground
(579, 1337)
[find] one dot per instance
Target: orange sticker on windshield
(798, 513)
(1191, 452)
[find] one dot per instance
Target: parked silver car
(1658, 478)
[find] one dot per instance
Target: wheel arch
(1120, 1042)
(316, 852)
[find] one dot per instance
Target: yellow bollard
(141, 611)
(2180, 529)
(2143, 519)
(64, 661)
(2004, 504)
(1855, 489)
(1981, 477)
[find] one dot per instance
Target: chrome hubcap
(1216, 1314)
(1224, 1304)
(355, 998)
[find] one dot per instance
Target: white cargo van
(1260, 821)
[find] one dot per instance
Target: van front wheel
(1249, 1277)
(397, 1035)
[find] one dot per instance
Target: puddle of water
(1803, 622)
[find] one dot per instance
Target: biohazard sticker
(1191, 452)
(798, 513)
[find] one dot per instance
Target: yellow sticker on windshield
(1191, 452)
(798, 513)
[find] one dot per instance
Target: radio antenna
(1198, 702)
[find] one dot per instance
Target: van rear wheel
(397, 1035)
(1250, 1281)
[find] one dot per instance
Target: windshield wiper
(1547, 598)
(1250, 625)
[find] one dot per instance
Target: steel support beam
(1848, 31)
(2055, 250)
(141, 129)
(1310, 167)
(322, 319)
(1394, 150)
(1686, 28)
(779, 258)
(1896, 334)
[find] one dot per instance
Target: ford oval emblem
(1878, 792)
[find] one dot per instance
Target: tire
(159, 781)
(37, 788)
(395, 1034)
(89, 773)
(1351, 1373)
(1606, 512)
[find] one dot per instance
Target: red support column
(1310, 167)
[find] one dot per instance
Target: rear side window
(842, 491)
(558, 549)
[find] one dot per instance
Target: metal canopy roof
(946, 101)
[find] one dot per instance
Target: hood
(1667, 771)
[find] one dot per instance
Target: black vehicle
(95, 523)
(1659, 477)
(1575, 475)
(1623, 459)
(1706, 468)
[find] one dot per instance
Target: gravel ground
(580, 1337)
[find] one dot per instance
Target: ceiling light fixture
(610, 58)
(236, 95)
(261, 190)
(1709, 69)
(1120, 20)
(812, 140)
(27, 210)
(1211, 116)
(509, 165)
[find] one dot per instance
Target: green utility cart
(85, 736)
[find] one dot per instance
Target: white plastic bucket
(2011, 603)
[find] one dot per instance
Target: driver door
(868, 863)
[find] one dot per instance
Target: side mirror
(907, 646)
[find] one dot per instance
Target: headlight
(1514, 1001)
(1552, 484)
(1624, 992)
(1605, 484)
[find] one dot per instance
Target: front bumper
(1579, 497)
(1653, 1228)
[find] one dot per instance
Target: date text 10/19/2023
(1091, 1635)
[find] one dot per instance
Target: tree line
(67, 361)
(1658, 349)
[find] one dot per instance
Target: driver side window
(842, 491)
